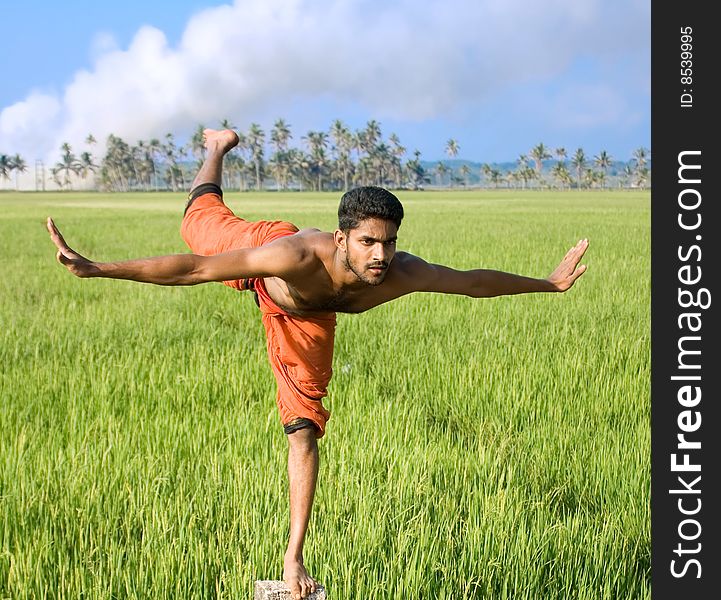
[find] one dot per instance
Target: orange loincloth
(300, 350)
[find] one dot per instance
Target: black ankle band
(203, 188)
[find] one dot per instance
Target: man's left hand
(569, 270)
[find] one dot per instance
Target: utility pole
(39, 175)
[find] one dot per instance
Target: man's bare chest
(308, 300)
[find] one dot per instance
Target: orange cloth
(300, 350)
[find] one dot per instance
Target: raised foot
(297, 579)
(223, 139)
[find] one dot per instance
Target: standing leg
(302, 477)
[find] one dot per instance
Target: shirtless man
(301, 279)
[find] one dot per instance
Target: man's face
(369, 250)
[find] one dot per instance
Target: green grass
(492, 448)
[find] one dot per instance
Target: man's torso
(314, 290)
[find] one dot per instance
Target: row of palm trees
(585, 172)
(336, 159)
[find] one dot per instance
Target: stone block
(277, 590)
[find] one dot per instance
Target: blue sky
(499, 76)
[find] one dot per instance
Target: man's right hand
(78, 265)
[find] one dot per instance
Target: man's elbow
(200, 270)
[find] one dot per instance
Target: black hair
(368, 202)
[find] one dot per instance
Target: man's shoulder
(307, 247)
(409, 272)
(312, 233)
(407, 263)
(313, 241)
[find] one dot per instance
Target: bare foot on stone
(297, 579)
(223, 139)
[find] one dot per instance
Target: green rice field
(493, 448)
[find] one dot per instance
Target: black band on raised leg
(203, 188)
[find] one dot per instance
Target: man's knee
(304, 439)
(203, 188)
(298, 424)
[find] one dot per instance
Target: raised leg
(217, 144)
(302, 477)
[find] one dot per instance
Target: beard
(362, 272)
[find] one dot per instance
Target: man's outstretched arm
(486, 283)
(279, 258)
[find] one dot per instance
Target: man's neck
(344, 279)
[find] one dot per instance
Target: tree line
(336, 159)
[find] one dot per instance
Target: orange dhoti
(300, 349)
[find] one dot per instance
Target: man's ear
(340, 239)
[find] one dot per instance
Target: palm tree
(365, 141)
(229, 166)
(19, 166)
(171, 154)
(441, 170)
(538, 154)
(600, 177)
(6, 166)
(317, 142)
(591, 177)
(626, 176)
(560, 172)
(116, 168)
(278, 166)
(255, 144)
(363, 174)
(579, 163)
(491, 174)
(87, 165)
(640, 155)
(642, 175)
(232, 162)
(342, 146)
(381, 161)
(397, 153)
(155, 149)
(603, 161)
(142, 164)
(236, 161)
(279, 137)
(197, 145)
(486, 171)
(524, 172)
(226, 124)
(415, 170)
(300, 165)
(465, 171)
(372, 134)
(452, 149)
(67, 165)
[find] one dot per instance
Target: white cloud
(402, 60)
(29, 124)
(103, 42)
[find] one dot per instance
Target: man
(301, 279)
